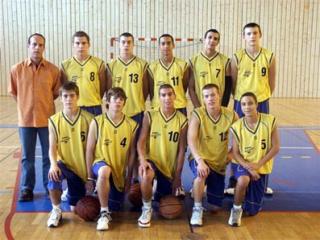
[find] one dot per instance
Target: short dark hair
(252, 25)
(81, 34)
(249, 94)
(212, 30)
(36, 34)
(126, 34)
(69, 86)
(211, 85)
(116, 92)
(166, 86)
(166, 35)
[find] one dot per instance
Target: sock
(146, 204)
(56, 206)
(198, 204)
(236, 207)
(104, 209)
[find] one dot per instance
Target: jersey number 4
(123, 142)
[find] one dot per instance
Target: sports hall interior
(290, 28)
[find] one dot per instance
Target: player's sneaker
(103, 221)
(54, 218)
(64, 195)
(196, 218)
(235, 217)
(145, 218)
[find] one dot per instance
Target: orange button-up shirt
(35, 89)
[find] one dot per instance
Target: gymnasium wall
(291, 28)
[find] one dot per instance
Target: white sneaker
(103, 221)
(196, 218)
(269, 191)
(229, 191)
(145, 218)
(54, 218)
(64, 195)
(235, 217)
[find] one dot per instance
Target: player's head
(251, 33)
(36, 46)
(167, 95)
(126, 41)
(116, 98)
(211, 95)
(249, 103)
(166, 44)
(211, 39)
(81, 43)
(69, 93)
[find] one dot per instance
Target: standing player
(255, 143)
(253, 69)
(34, 84)
(161, 148)
(171, 70)
(68, 131)
(110, 153)
(210, 66)
(88, 72)
(208, 141)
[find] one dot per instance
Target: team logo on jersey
(248, 149)
(107, 142)
(247, 73)
(65, 139)
(155, 135)
(203, 74)
(117, 79)
(74, 78)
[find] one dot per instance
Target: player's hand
(54, 173)
(143, 167)
(176, 184)
(90, 186)
(253, 166)
(202, 169)
(254, 175)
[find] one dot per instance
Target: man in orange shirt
(34, 84)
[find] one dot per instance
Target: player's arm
(192, 89)
(131, 158)
(230, 151)
(142, 145)
(103, 79)
(90, 149)
(12, 89)
(56, 85)
(108, 78)
(180, 158)
(272, 75)
(234, 73)
(54, 171)
(63, 76)
(185, 78)
(227, 86)
(150, 83)
(145, 85)
(193, 138)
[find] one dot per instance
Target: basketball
(88, 208)
(134, 195)
(170, 207)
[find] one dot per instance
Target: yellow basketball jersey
(113, 142)
(253, 74)
(209, 70)
(172, 75)
(71, 140)
(213, 137)
(86, 75)
(129, 77)
(255, 143)
(164, 140)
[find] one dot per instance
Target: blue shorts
(255, 191)
(183, 111)
(95, 110)
(115, 197)
(164, 185)
(263, 107)
(138, 118)
(76, 186)
(214, 182)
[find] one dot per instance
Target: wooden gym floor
(266, 225)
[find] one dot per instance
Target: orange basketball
(134, 195)
(88, 208)
(170, 207)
